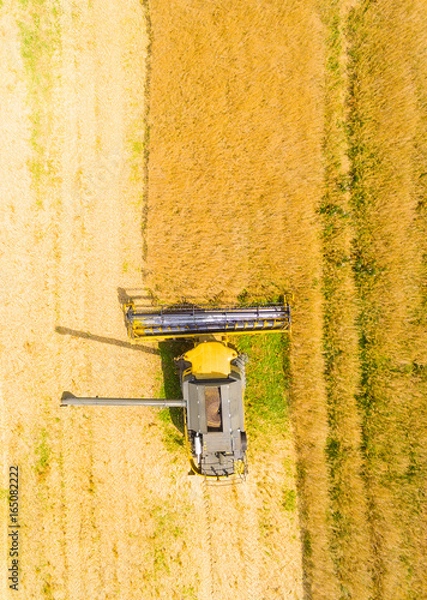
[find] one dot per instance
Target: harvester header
(194, 321)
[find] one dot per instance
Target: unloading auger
(212, 376)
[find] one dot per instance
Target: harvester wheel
(240, 363)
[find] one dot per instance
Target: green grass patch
(172, 419)
(267, 382)
(40, 37)
(43, 454)
(289, 500)
(170, 386)
(168, 523)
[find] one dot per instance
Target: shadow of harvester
(169, 350)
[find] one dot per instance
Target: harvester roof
(210, 360)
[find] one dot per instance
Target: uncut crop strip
(388, 152)
(350, 533)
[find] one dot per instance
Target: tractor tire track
(232, 540)
(202, 509)
(246, 502)
(239, 560)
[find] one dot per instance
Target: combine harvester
(212, 377)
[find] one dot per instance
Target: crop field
(214, 152)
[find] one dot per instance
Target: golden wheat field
(212, 151)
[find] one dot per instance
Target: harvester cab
(212, 376)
